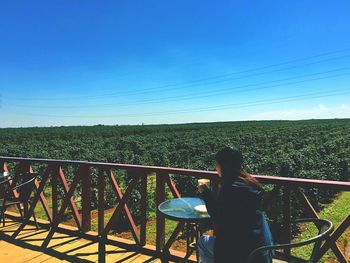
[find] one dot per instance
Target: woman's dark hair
(231, 160)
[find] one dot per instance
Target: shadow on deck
(26, 247)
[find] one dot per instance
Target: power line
(237, 89)
(199, 81)
(301, 97)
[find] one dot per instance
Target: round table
(183, 210)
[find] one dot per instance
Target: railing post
(86, 198)
(54, 175)
(284, 172)
(144, 208)
(287, 216)
(101, 212)
(160, 223)
(25, 169)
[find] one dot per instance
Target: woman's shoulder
(239, 182)
(240, 185)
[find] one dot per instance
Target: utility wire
(225, 91)
(199, 81)
(301, 97)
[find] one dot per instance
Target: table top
(183, 209)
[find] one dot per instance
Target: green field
(317, 149)
(308, 149)
(314, 149)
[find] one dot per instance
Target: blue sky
(133, 62)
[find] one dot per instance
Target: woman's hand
(202, 188)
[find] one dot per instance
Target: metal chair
(25, 188)
(325, 227)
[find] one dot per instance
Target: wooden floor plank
(140, 258)
(26, 247)
(12, 253)
(124, 257)
(44, 257)
(84, 250)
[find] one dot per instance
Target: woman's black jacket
(238, 215)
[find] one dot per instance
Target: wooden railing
(84, 173)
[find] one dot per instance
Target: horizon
(174, 124)
(134, 63)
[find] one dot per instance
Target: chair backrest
(25, 186)
(325, 228)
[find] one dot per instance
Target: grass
(169, 228)
(335, 212)
(151, 227)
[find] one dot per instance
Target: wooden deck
(26, 247)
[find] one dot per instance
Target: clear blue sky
(133, 62)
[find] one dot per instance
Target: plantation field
(318, 149)
(309, 149)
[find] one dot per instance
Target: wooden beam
(71, 202)
(86, 198)
(333, 238)
(265, 179)
(144, 208)
(43, 200)
(54, 190)
(101, 200)
(66, 201)
(39, 190)
(160, 220)
(131, 222)
(307, 204)
(287, 216)
(120, 207)
(173, 236)
(101, 217)
(172, 186)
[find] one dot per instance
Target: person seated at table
(237, 213)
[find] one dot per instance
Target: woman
(237, 212)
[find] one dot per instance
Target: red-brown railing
(55, 171)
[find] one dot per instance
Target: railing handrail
(264, 179)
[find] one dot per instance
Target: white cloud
(319, 112)
(345, 107)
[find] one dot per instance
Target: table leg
(198, 234)
(192, 232)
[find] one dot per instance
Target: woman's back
(241, 226)
(239, 219)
